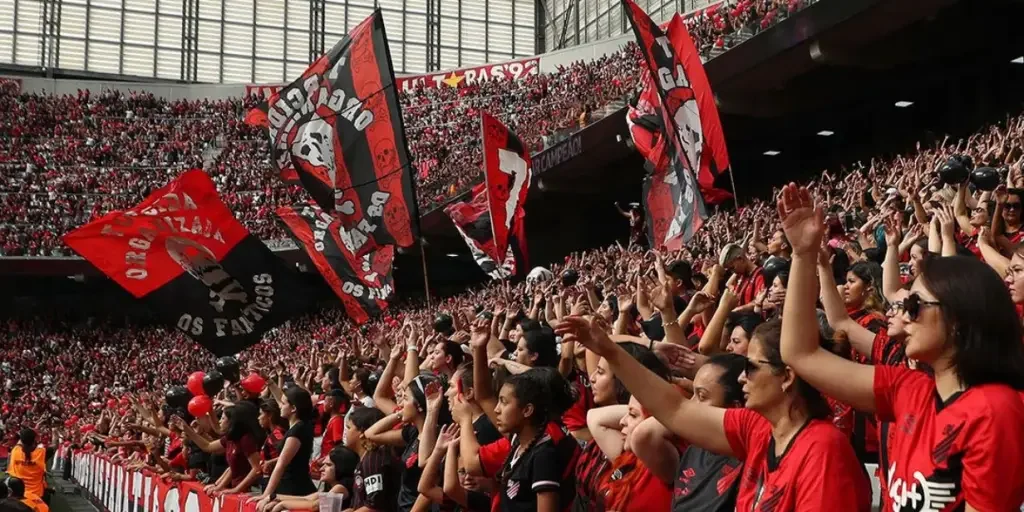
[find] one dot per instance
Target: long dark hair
(364, 417)
(27, 437)
(345, 461)
(981, 319)
(871, 273)
(269, 406)
(243, 419)
(646, 357)
(732, 366)
(770, 336)
(301, 402)
(542, 342)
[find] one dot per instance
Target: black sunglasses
(913, 304)
(1012, 206)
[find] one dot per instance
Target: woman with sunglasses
(794, 458)
(958, 443)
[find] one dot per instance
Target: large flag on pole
(675, 208)
(363, 283)
(339, 128)
(186, 256)
(507, 171)
(472, 219)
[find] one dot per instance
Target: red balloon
(200, 405)
(195, 383)
(253, 383)
(125, 401)
(111, 403)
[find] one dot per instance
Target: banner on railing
(114, 488)
(511, 70)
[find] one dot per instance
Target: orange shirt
(37, 504)
(30, 470)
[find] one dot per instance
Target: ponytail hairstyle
(27, 437)
(770, 336)
(648, 359)
(302, 403)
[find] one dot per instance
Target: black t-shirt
(534, 472)
(377, 481)
(485, 431)
(296, 480)
(197, 458)
(411, 468)
(705, 481)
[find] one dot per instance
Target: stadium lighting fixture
(904, 104)
(826, 133)
(1018, 60)
(452, 255)
(772, 152)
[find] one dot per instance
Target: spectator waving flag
(675, 207)
(363, 283)
(473, 221)
(339, 128)
(507, 172)
(183, 253)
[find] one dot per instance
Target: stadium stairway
(67, 496)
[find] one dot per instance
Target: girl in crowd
(958, 443)
(412, 415)
(337, 475)
(794, 458)
(275, 426)
(593, 466)
(378, 475)
(240, 444)
(291, 472)
(532, 476)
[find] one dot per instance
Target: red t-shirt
(237, 454)
(967, 450)
(817, 471)
(749, 287)
(576, 417)
(333, 433)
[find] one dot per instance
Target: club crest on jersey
(512, 490)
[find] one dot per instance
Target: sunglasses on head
(752, 366)
(912, 305)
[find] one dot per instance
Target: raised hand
(588, 332)
(802, 220)
(480, 333)
(449, 434)
(679, 358)
(434, 395)
(700, 302)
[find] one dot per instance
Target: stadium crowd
(66, 159)
(569, 389)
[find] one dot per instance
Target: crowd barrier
(113, 488)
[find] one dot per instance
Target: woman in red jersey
(958, 443)
(794, 458)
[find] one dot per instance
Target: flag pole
(426, 278)
(735, 197)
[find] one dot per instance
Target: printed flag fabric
(473, 221)
(675, 208)
(507, 172)
(363, 283)
(339, 129)
(182, 252)
(712, 155)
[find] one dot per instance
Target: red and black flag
(183, 253)
(363, 283)
(339, 128)
(675, 208)
(472, 219)
(508, 170)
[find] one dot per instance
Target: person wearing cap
(749, 277)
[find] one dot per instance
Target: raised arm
(698, 423)
(861, 339)
(483, 391)
(203, 443)
(603, 423)
(711, 340)
(834, 376)
(384, 395)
